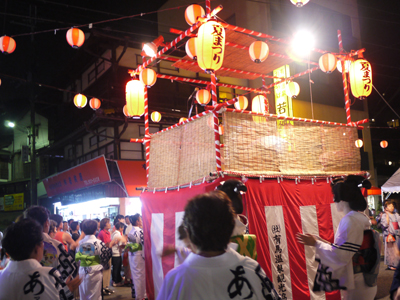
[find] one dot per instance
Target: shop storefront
(98, 188)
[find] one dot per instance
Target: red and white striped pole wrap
(215, 114)
(292, 77)
(192, 80)
(208, 7)
(169, 46)
(344, 77)
(353, 124)
(263, 35)
(146, 131)
(137, 140)
(266, 104)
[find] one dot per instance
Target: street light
(302, 43)
(10, 124)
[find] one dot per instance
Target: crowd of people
(46, 257)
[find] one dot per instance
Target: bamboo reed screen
(265, 146)
(182, 154)
(253, 145)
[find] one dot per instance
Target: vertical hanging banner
(283, 103)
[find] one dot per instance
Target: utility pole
(33, 194)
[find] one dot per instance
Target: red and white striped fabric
(276, 212)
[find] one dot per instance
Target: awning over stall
(393, 184)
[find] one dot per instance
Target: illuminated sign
(14, 202)
(283, 103)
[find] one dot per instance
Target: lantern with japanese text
(135, 97)
(258, 51)
(210, 46)
(327, 63)
(360, 78)
(292, 89)
(155, 116)
(182, 120)
(192, 12)
(75, 37)
(347, 64)
(203, 96)
(299, 3)
(191, 48)
(258, 106)
(125, 111)
(384, 144)
(94, 103)
(148, 77)
(242, 103)
(359, 143)
(7, 44)
(80, 100)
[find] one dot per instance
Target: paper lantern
(150, 49)
(148, 77)
(75, 37)
(327, 63)
(80, 100)
(359, 143)
(258, 51)
(292, 89)
(155, 116)
(210, 46)
(221, 129)
(125, 111)
(384, 144)
(203, 97)
(242, 103)
(135, 98)
(347, 64)
(94, 103)
(7, 44)
(192, 12)
(258, 106)
(299, 3)
(360, 75)
(182, 120)
(191, 48)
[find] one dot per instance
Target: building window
(93, 141)
(102, 135)
(70, 152)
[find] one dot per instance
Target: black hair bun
(366, 184)
(359, 181)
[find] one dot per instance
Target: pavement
(385, 278)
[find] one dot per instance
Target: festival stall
(287, 163)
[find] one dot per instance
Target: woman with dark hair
(335, 270)
(213, 270)
(390, 223)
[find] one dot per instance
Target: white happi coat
(348, 239)
(227, 276)
(91, 285)
(136, 262)
(55, 256)
(28, 280)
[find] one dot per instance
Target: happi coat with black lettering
(28, 280)
(227, 276)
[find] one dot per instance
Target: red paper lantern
(242, 103)
(299, 3)
(203, 97)
(384, 144)
(258, 106)
(182, 120)
(258, 51)
(135, 98)
(347, 64)
(210, 46)
(192, 12)
(148, 77)
(359, 143)
(80, 101)
(75, 37)
(191, 48)
(327, 63)
(94, 103)
(7, 44)
(155, 116)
